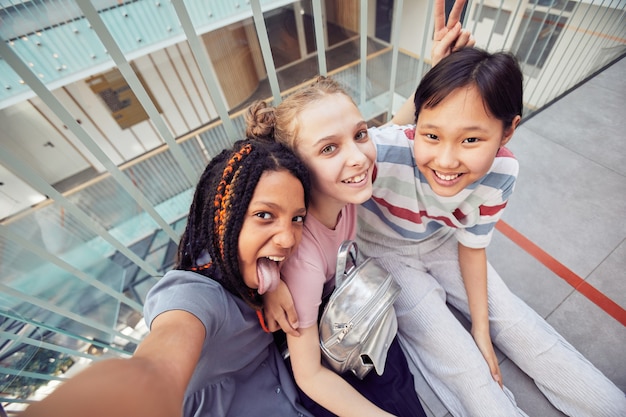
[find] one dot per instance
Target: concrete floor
(570, 201)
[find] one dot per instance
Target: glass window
(566, 5)
(537, 35)
(491, 13)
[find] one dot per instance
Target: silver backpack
(359, 322)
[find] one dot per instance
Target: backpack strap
(347, 248)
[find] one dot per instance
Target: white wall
(25, 131)
(413, 27)
(15, 194)
(176, 84)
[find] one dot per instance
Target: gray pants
(446, 354)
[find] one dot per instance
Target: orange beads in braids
(225, 193)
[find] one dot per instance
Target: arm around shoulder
(151, 383)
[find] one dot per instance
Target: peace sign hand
(449, 37)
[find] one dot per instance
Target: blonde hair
(282, 122)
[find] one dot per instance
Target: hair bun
(260, 121)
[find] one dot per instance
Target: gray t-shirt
(240, 372)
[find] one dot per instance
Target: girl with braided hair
(206, 353)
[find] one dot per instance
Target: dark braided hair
(219, 205)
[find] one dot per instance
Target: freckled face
(457, 141)
(272, 226)
(334, 144)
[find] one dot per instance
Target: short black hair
(497, 76)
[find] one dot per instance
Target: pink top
(309, 273)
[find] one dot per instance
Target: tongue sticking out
(268, 274)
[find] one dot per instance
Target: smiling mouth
(356, 179)
(276, 258)
(446, 177)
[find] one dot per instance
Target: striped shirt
(403, 206)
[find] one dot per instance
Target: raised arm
(447, 38)
(151, 383)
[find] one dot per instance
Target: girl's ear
(508, 132)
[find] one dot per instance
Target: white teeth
(446, 177)
(358, 178)
(276, 258)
